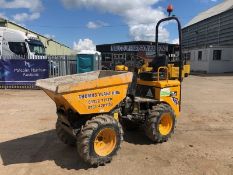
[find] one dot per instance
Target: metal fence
(62, 65)
(56, 66)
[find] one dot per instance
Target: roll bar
(180, 40)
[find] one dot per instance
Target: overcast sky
(80, 23)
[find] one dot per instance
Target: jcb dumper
(88, 106)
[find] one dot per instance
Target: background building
(208, 39)
(52, 47)
(131, 52)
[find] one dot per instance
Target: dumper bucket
(88, 93)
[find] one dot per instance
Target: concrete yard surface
(202, 143)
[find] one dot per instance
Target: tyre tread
(153, 120)
(65, 137)
(86, 134)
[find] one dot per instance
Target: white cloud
(207, 1)
(96, 24)
(2, 15)
(175, 41)
(147, 32)
(85, 44)
(22, 17)
(34, 9)
(109, 6)
(33, 6)
(139, 15)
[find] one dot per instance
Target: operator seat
(161, 61)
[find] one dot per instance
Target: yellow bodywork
(121, 68)
(88, 93)
(166, 124)
(187, 69)
(167, 91)
(174, 71)
(105, 142)
(145, 68)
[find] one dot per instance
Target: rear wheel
(99, 140)
(160, 123)
(63, 135)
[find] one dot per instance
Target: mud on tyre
(160, 123)
(63, 135)
(99, 140)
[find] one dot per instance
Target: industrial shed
(52, 47)
(208, 39)
(128, 52)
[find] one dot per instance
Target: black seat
(161, 61)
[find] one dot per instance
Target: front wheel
(99, 140)
(160, 123)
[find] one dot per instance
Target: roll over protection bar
(180, 40)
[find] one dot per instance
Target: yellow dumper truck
(92, 107)
(88, 109)
(173, 70)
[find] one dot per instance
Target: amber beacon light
(169, 9)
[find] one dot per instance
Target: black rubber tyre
(88, 134)
(65, 137)
(186, 75)
(152, 130)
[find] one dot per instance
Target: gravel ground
(202, 143)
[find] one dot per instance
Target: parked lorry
(17, 43)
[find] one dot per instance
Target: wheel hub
(105, 142)
(165, 125)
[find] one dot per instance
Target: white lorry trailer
(17, 43)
